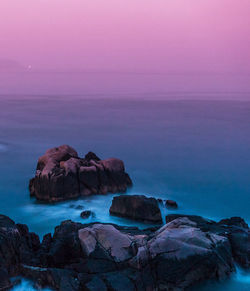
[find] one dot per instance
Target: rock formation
(137, 207)
(185, 251)
(62, 175)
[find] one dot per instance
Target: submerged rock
(171, 204)
(86, 214)
(137, 207)
(62, 175)
(186, 251)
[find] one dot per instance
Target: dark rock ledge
(62, 175)
(185, 251)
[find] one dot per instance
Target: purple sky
(144, 36)
(131, 35)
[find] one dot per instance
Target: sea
(193, 148)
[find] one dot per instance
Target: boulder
(116, 244)
(61, 174)
(171, 204)
(137, 207)
(86, 214)
(234, 228)
(182, 255)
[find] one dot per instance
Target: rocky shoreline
(182, 251)
(185, 251)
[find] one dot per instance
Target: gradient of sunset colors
(131, 35)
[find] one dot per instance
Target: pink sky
(127, 35)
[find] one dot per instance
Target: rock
(91, 156)
(5, 283)
(234, 228)
(119, 246)
(240, 243)
(58, 279)
(186, 251)
(234, 221)
(171, 204)
(17, 246)
(137, 207)
(182, 245)
(86, 214)
(62, 175)
(6, 222)
(239, 237)
(117, 281)
(96, 284)
(203, 223)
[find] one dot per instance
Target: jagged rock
(185, 251)
(62, 175)
(181, 245)
(17, 245)
(234, 228)
(240, 243)
(137, 207)
(92, 156)
(234, 221)
(239, 237)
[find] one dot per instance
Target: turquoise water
(195, 152)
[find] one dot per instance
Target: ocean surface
(192, 151)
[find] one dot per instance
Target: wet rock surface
(61, 175)
(185, 251)
(137, 207)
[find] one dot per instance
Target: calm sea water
(195, 152)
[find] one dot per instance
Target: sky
(133, 36)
